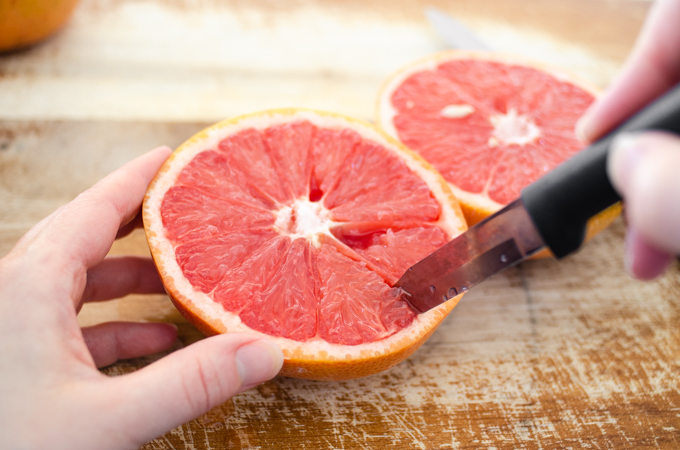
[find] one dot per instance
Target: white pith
(304, 219)
(512, 128)
(480, 199)
(314, 223)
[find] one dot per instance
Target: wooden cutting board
(550, 354)
(569, 354)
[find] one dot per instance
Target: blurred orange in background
(26, 22)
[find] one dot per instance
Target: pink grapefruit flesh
(489, 124)
(295, 224)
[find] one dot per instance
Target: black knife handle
(561, 202)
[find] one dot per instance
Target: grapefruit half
(490, 123)
(294, 224)
(24, 23)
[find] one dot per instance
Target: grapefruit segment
(190, 214)
(394, 252)
(356, 305)
(374, 187)
(330, 149)
(247, 153)
(293, 224)
(286, 305)
(289, 144)
(242, 282)
(204, 262)
(211, 173)
(491, 124)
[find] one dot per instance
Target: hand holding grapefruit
(294, 224)
(49, 379)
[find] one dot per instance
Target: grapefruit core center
(304, 218)
(511, 129)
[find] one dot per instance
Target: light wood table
(548, 355)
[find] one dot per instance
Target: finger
(652, 68)
(644, 169)
(129, 227)
(118, 276)
(82, 231)
(113, 341)
(191, 381)
(644, 260)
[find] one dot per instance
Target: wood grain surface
(569, 354)
(205, 60)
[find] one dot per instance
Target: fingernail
(258, 362)
(581, 128)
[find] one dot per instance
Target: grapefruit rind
(477, 206)
(318, 359)
(315, 358)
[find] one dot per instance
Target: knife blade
(501, 240)
(552, 212)
(454, 33)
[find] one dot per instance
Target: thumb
(644, 169)
(191, 381)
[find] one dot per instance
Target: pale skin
(51, 393)
(644, 167)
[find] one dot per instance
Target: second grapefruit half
(294, 224)
(490, 123)
(24, 23)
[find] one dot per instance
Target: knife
(454, 33)
(551, 213)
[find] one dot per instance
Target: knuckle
(203, 387)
